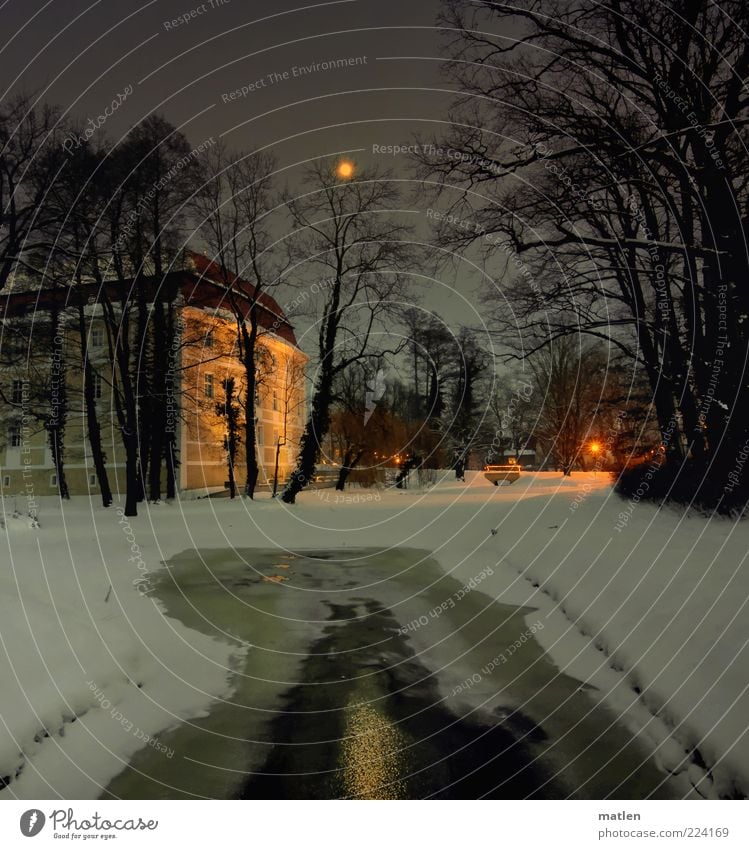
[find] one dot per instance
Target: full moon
(345, 169)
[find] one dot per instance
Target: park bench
(495, 474)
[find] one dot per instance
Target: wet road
(344, 693)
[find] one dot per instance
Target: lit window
(208, 385)
(14, 436)
(97, 337)
(97, 384)
(17, 392)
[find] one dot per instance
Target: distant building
(203, 355)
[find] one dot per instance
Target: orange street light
(345, 169)
(595, 448)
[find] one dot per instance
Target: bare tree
(235, 205)
(603, 149)
(229, 411)
(433, 349)
(569, 385)
(470, 366)
(31, 157)
(356, 247)
(510, 419)
(75, 240)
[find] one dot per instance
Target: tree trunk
(132, 474)
(93, 428)
(123, 396)
(250, 431)
(249, 341)
(350, 462)
(171, 466)
(154, 462)
(315, 431)
(232, 481)
(143, 390)
(157, 421)
(171, 408)
(59, 406)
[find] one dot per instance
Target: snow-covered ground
(649, 609)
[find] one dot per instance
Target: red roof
(270, 315)
(203, 286)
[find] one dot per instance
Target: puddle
(337, 698)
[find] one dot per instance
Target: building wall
(27, 469)
(280, 401)
(197, 363)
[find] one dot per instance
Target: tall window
(208, 385)
(275, 400)
(209, 339)
(97, 385)
(97, 337)
(16, 395)
(14, 436)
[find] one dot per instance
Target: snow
(89, 673)
(651, 615)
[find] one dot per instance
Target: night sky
(188, 61)
(82, 54)
(246, 72)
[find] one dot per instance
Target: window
(208, 385)
(97, 337)
(53, 479)
(16, 394)
(14, 436)
(209, 339)
(92, 480)
(275, 400)
(97, 384)
(6, 480)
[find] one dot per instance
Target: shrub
(709, 487)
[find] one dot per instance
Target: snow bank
(651, 615)
(91, 668)
(664, 597)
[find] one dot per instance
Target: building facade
(47, 340)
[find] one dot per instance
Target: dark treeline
(74, 218)
(603, 144)
(105, 225)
